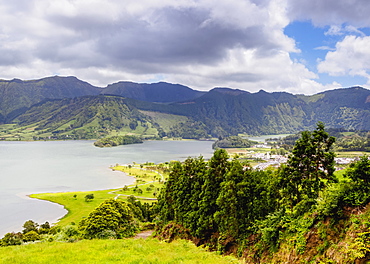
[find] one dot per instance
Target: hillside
(86, 117)
(18, 95)
(172, 110)
(155, 92)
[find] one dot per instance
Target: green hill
(155, 92)
(18, 95)
(85, 117)
(164, 109)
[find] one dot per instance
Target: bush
(31, 236)
(110, 215)
(11, 239)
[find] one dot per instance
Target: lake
(62, 166)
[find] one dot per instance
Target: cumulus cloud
(331, 12)
(199, 43)
(335, 30)
(351, 56)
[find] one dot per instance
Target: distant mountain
(163, 109)
(86, 117)
(226, 111)
(348, 108)
(18, 95)
(155, 92)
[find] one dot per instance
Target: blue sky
(297, 46)
(314, 43)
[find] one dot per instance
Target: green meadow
(147, 185)
(127, 251)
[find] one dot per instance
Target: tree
(11, 239)
(111, 215)
(218, 167)
(31, 236)
(359, 171)
(89, 197)
(29, 226)
(227, 214)
(309, 167)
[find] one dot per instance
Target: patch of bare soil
(144, 234)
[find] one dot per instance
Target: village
(266, 159)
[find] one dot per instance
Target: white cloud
(351, 57)
(199, 43)
(331, 12)
(336, 30)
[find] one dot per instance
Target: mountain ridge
(177, 110)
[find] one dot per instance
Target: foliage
(29, 226)
(89, 197)
(230, 207)
(117, 140)
(359, 172)
(221, 196)
(31, 236)
(189, 130)
(111, 215)
(233, 142)
(11, 239)
(310, 166)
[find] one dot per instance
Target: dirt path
(144, 234)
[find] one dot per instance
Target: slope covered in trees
(18, 95)
(219, 112)
(299, 213)
(155, 92)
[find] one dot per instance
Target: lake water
(61, 166)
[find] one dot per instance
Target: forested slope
(184, 112)
(300, 213)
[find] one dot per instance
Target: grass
(350, 154)
(127, 251)
(78, 207)
(108, 251)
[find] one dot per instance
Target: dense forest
(233, 142)
(116, 141)
(259, 215)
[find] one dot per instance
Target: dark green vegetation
(67, 108)
(156, 92)
(233, 142)
(18, 96)
(117, 140)
(300, 213)
(345, 140)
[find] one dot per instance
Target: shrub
(110, 215)
(31, 236)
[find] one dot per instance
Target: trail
(144, 235)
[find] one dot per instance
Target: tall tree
(218, 167)
(309, 167)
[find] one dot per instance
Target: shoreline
(54, 220)
(58, 219)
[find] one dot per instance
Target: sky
(297, 46)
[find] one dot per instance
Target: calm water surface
(60, 166)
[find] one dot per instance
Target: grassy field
(149, 182)
(127, 251)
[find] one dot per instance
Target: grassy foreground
(127, 251)
(149, 182)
